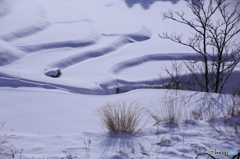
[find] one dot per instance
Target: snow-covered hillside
(102, 47)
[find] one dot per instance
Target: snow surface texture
(119, 37)
(100, 46)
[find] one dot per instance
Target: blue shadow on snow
(146, 3)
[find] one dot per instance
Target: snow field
(100, 46)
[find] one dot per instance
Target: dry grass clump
(196, 114)
(229, 127)
(207, 108)
(234, 109)
(5, 146)
(169, 110)
(122, 118)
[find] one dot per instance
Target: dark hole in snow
(55, 73)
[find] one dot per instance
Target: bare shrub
(234, 109)
(177, 79)
(207, 154)
(5, 146)
(211, 113)
(229, 127)
(196, 114)
(207, 109)
(169, 110)
(121, 118)
(87, 147)
(69, 156)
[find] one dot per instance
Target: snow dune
(85, 28)
(73, 39)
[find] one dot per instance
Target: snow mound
(8, 53)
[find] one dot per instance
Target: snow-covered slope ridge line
(121, 40)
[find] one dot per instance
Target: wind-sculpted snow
(9, 53)
(90, 42)
(33, 29)
(54, 35)
(147, 58)
(20, 17)
(120, 42)
(16, 82)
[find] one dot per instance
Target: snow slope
(100, 46)
(47, 121)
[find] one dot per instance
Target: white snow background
(99, 45)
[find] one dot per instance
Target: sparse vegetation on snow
(120, 91)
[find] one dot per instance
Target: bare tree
(177, 79)
(215, 25)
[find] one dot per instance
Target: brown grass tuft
(120, 117)
(169, 110)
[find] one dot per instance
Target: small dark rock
(55, 73)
